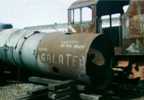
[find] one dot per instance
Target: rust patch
(134, 7)
(65, 53)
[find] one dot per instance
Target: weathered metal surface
(136, 19)
(85, 27)
(133, 28)
(66, 55)
(77, 56)
(133, 32)
(18, 47)
(63, 27)
(136, 6)
(82, 3)
(88, 26)
(136, 24)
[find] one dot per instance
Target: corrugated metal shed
(82, 3)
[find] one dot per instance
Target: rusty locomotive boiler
(84, 57)
(85, 54)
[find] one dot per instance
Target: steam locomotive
(86, 54)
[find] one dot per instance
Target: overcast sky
(23, 13)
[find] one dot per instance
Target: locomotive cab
(98, 16)
(81, 16)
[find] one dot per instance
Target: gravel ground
(16, 91)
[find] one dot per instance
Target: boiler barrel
(85, 57)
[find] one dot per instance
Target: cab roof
(82, 3)
(103, 6)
